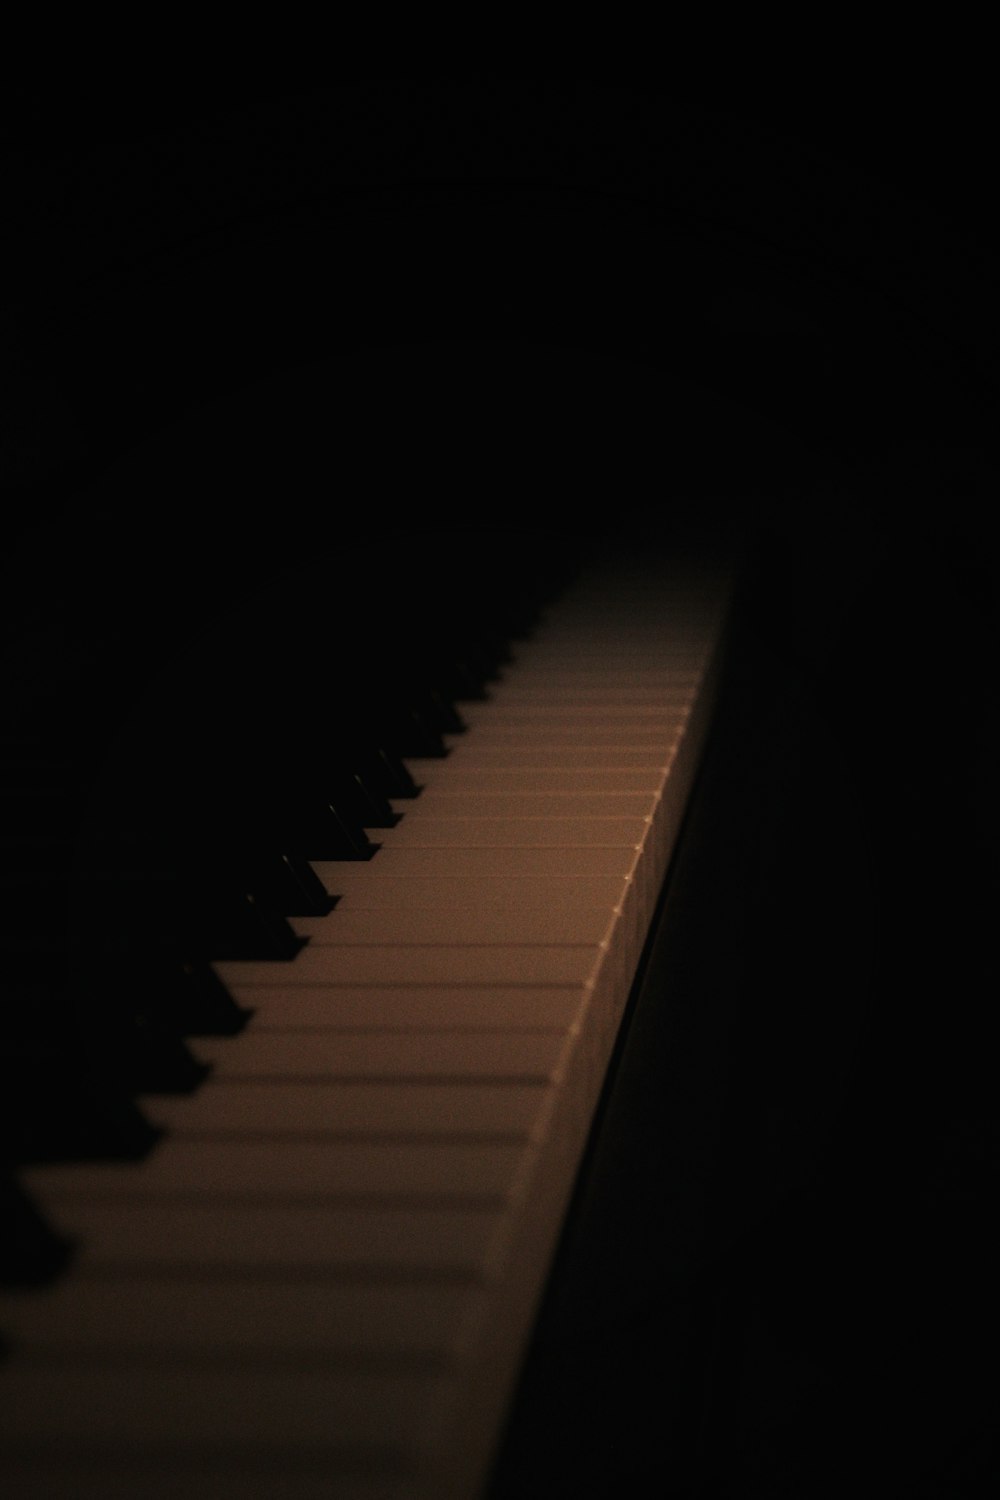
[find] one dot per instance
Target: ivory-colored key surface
(512, 757)
(351, 1110)
(411, 1008)
(534, 1056)
(295, 1168)
(453, 804)
(468, 925)
(323, 1278)
(487, 893)
(434, 830)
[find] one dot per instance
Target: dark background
(267, 346)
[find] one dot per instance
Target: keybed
(327, 1271)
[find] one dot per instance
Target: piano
(303, 1254)
(160, 682)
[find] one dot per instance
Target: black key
(288, 884)
(194, 996)
(362, 799)
(32, 1254)
(382, 768)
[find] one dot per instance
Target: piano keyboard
(323, 1279)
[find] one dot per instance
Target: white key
(490, 922)
(470, 1008)
(277, 1168)
(557, 893)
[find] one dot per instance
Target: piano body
(317, 460)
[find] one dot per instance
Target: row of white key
(323, 1279)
